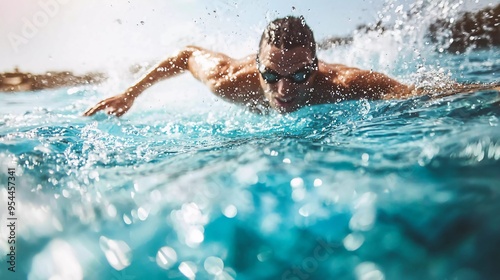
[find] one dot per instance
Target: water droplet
(166, 257)
(142, 213)
(297, 183)
(303, 211)
(493, 121)
(65, 193)
(214, 265)
(194, 236)
(368, 271)
(353, 241)
(264, 254)
(365, 157)
(230, 211)
(94, 175)
(111, 209)
(318, 182)
(126, 219)
(189, 269)
(117, 252)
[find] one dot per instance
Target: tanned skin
(240, 82)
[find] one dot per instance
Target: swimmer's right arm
(187, 59)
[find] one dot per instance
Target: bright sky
(81, 35)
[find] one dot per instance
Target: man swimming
(286, 75)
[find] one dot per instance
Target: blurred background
(404, 189)
(42, 35)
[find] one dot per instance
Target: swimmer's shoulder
(332, 68)
(339, 72)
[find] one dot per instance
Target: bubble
(142, 213)
(189, 269)
(317, 183)
(297, 183)
(368, 271)
(94, 175)
(111, 210)
(117, 252)
(303, 211)
(191, 214)
(126, 219)
(166, 257)
(65, 193)
(493, 121)
(194, 236)
(230, 211)
(365, 157)
(214, 265)
(264, 254)
(353, 241)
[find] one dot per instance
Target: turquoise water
(185, 186)
(402, 189)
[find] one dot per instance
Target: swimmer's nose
(284, 87)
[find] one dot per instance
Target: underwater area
(186, 186)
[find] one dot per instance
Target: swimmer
(285, 75)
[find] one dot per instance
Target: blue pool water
(185, 186)
(402, 189)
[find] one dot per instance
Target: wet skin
(286, 95)
(241, 82)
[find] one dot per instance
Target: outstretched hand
(116, 105)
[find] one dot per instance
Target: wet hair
(288, 32)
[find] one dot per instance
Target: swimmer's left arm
(452, 88)
(374, 85)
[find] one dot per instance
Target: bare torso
(237, 81)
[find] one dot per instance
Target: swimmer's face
(287, 76)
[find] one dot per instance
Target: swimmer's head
(287, 63)
(287, 33)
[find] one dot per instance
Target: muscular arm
(379, 86)
(373, 85)
(233, 80)
(355, 84)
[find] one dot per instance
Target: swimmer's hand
(116, 105)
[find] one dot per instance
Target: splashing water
(202, 189)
